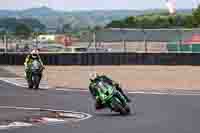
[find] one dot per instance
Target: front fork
(120, 97)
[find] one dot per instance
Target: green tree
(196, 17)
(150, 21)
(97, 27)
(189, 22)
(67, 28)
(23, 31)
(2, 33)
(130, 22)
(145, 22)
(115, 24)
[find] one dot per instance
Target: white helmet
(34, 53)
(93, 75)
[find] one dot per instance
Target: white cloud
(91, 4)
(171, 5)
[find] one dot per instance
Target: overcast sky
(93, 4)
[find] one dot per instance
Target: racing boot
(99, 105)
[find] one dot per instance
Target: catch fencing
(118, 40)
(149, 40)
(122, 47)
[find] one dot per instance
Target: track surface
(154, 113)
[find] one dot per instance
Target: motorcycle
(112, 98)
(35, 75)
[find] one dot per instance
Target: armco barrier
(107, 59)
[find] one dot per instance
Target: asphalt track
(154, 113)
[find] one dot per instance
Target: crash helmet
(93, 76)
(34, 53)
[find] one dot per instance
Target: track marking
(43, 109)
(137, 92)
(79, 116)
(22, 83)
(15, 125)
(165, 93)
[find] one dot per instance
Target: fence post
(122, 33)
(90, 38)
(5, 44)
(145, 41)
(180, 40)
(123, 40)
(192, 43)
(94, 40)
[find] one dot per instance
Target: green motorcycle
(34, 75)
(112, 98)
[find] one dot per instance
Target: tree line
(23, 28)
(161, 20)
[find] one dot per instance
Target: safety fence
(117, 40)
(107, 59)
(149, 40)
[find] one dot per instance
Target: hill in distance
(78, 19)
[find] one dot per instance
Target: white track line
(85, 90)
(24, 84)
(135, 92)
(10, 82)
(164, 93)
(39, 109)
(6, 127)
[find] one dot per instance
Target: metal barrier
(149, 40)
(122, 40)
(107, 59)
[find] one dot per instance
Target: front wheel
(127, 108)
(30, 84)
(119, 108)
(36, 80)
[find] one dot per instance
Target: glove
(43, 67)
(116, 84)
(24, 74)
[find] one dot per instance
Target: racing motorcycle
(35, 75)
(112, 98)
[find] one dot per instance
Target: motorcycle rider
(34, 55)
(94, 78)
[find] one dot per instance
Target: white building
(46, 38)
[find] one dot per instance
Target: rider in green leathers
(94, 78)
(34, 55)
